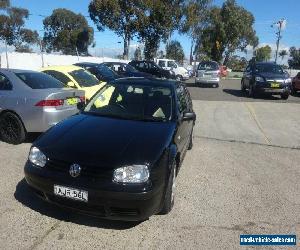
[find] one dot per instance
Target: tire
(12, 129)
(284, 96)
(179, 78)
(243, 89)
(251, 92)
(168, 202)
(190, 146)
(216, 85)
(293, 90)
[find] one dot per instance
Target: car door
(6, 90)
(182, 134)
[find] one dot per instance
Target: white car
(169, 64)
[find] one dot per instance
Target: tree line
(215, 33)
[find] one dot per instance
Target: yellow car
(75, 77)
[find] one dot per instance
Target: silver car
(33, 102)
(208, 73)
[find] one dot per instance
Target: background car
(125, 70)
(295, 84)
(102, 72)
(124, 166)
(169, 64)
(152, 68)
(33, 102)
(208, 72)
(75, 77)
(266, 77)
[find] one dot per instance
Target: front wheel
(168, 202)
(11, 129)
(179, 78)
(190, 146)
(251, 92)
(284, 96)
(293, 90)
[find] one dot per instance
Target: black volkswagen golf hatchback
(119, 157)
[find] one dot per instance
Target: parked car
(152, 68)
(208, 72)
(296, 84)
(75, 77)
(102, 72)
(33, 102)
(180, 72)
(125, 70)
(119, 158)
(266, 77)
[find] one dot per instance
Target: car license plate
(71, 193)
(72, 101)
(275, 85)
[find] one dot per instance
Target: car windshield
(133, 102)
(208, 66)
(269, 68)
(84, 78)
(129, 68)
(106, 71)
(38, 80)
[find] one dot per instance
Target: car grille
(116, 211)
(87, 170)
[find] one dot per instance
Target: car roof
(62, 68)
(265, 63)
(86, 64)
(113, 63)
(146, 81)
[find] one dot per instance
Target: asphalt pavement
(241, 177)
(230, 90)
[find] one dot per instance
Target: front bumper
(266, 88)
(104, 201)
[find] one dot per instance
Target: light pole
(279, 24)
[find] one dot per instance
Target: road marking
(252, 112)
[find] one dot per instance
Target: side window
(181, 98)
(162, 63)
(4, 83)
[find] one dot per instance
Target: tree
(121, 16)
(294, 61)
(283, 53)
(161, 17)
(263, 53)
(138, 54)
(174, 51)
(195, 14)
(228, 29)
(68, 32)
(237, 64)
(12, 30)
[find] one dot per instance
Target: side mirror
(71, 85)
(80, 106)
(189, 116)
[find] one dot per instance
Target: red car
(296, 83)
(223, 71)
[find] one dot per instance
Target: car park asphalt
(241, 177)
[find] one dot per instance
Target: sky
(266, 12)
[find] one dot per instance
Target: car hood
(90, 91)
(272, 76)
(107, 142)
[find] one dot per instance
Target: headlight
(131, 174)
(259, 79)
(288, 80)
(37, 157)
